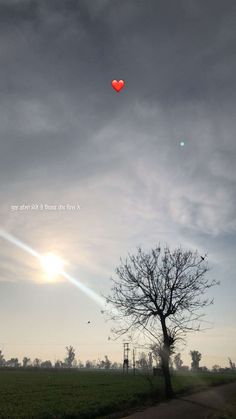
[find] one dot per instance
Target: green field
(45, 394)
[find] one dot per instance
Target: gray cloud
(66, 136)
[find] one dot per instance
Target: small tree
(80, 364)
(114, 365)
(2, 360)
(75, 363)
(231, 364)
(196, 358)
(58, 363)
(46, 364)
(37, 363)
(25, 362)
(156, 354)
(203, 369)
(215, 368)
(107, 363)
(13, 363)
(88, 364)
(142, 361)
(178, 361)
(70, 356)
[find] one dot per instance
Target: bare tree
(46, 364)
(88, 364)
(142, 361)
(115, 365)
(80, 364)
(107, 364)
(231, 364)
(58, 363)
(37, 363)
(155, 353)
(196, 358)
(2, 359)
(160, 293)
(70, 356)
(178, 361)
(25, 362)
(13, 363)
(104, 363)
(216, 368)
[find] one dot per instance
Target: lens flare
(54, 265)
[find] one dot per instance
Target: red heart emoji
(117, 85)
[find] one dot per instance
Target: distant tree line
(146, 362)
(68, 362)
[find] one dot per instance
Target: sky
(67, 138)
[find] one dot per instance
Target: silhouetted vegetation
(160, 293)
(196, 358)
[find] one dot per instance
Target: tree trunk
(165, 359)
(166, 373)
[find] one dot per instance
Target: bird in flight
(89, 322)
(202, 258)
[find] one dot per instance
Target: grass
(190, 383)
(61, 394)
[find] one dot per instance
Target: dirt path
(196, 406)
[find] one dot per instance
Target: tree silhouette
(25, 362)
(88, 364)
(13, 363)
(37, 363)
(216, 368)
(196, 358)
(178, 361)
(58, 363)
(46, 364)
(107, 363)
(2, 360)
(70, 356)
(160, 293)
(231, 364)
(142, 361)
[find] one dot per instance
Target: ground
(39, 394)
(228, 411)
(214, 403)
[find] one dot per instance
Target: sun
(52, 265)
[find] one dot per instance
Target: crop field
(85, 394)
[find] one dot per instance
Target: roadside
(228, 412)
(207, 404)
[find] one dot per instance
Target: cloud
(66, 137)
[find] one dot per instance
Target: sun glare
(52, 265)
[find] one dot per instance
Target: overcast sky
(66, 137)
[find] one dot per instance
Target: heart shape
(117, 85)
